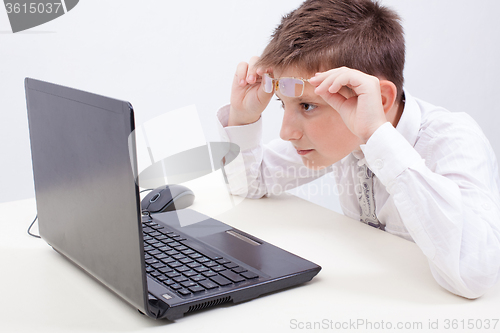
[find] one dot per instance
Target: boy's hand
(248, 99)
(360, 106)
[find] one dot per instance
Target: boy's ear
(389, 93)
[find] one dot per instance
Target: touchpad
(240, 246)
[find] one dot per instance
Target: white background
(163, 55)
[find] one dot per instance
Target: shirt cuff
(388, 154)
(246, 136)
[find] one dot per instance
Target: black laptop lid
(87, 200)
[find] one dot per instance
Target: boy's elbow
(475, 286)
(470, 284)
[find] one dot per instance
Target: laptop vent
(209, 304)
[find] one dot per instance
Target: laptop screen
(87, 200)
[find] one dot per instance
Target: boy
(402, 165)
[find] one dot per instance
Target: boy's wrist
(369, 133)
(237, 119)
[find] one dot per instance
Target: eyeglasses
(288, 86)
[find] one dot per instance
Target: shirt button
(378, 164)
(486, 206)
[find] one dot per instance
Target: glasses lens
(291, 87)
(268, 83)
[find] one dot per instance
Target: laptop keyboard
(183, 266)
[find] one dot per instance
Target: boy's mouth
(304, 151)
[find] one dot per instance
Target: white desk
(367, 275)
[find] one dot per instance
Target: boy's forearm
(444, 212)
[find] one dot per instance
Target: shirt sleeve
(261, 170)
(448, 200)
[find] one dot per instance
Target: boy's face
(314, 128)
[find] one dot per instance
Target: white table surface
(369, 277)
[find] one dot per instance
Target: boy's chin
(314, 165)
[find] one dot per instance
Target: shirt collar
(409, 123)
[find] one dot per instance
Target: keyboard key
(202, 260)
(249, 275)
(197, 278)
(223, 261)
(188, 284)
(184, 292)
(220, 280)
(189, 273)
(154, 252)
(151, 261)
(186, 260)
(196, 289)
(200, 269)
(232, 276)
(218, 268)
(179, 256)
(207, 284)
(173, 274)
(195, 255)
(182, 269)
(167, 260)
(165, 270)
(158, 265)
(193, 264)
(180, 278)
(165, 248)
(161, 256)
(174, 264)
(209, 273)
(169, 282)
(239, 269)
(230, 265)
(210, 264)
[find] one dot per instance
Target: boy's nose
(290, 127)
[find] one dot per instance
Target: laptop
(89, 211)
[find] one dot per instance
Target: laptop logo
(26, 14)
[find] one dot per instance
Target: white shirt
(436, 183)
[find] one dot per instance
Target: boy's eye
(308, 107)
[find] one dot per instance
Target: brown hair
(325, 34)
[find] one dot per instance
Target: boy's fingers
(241, 74)
(335, 100)
(326, 83)
(252, 70)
